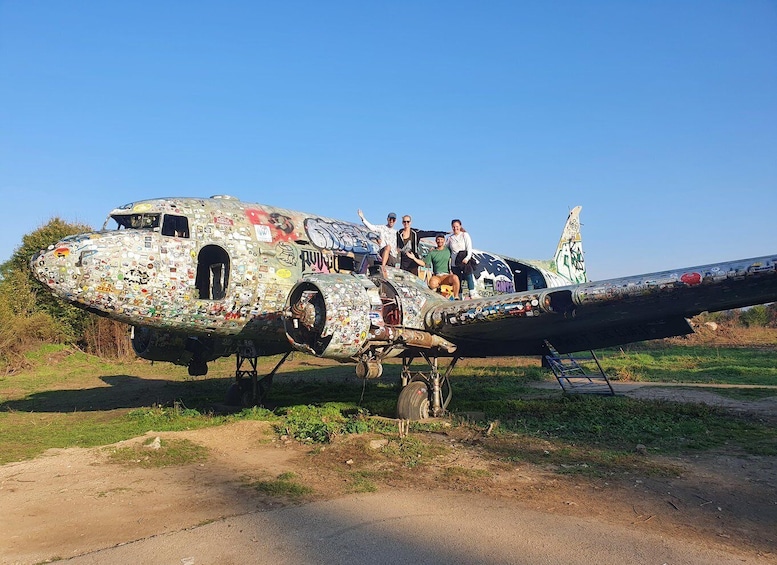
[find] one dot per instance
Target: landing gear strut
(422, 393)
(248, 389)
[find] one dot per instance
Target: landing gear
(413, 402)
(197, 368)
(422, 393)
(248, 389)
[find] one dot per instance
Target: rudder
(569, 259)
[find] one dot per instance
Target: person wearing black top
(407, 244)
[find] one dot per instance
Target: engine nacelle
(328, 315)
(342, 316)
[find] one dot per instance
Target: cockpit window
(177, 226)
(137, 221)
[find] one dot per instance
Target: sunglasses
(405, 221)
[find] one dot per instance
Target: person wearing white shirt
(460, 244)
(387, 239)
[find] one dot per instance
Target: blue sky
(659, 118)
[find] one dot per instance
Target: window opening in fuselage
(525, 277)
(212, 273)
(176, 226)
(344, 264)
(136, 221)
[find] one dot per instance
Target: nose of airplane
(59, 267)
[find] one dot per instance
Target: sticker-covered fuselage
(220, 266)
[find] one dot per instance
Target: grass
(691, 364)
(70, 399)
(156, 452)
(284, 485)
(622, 423)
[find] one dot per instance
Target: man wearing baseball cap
(387, 239)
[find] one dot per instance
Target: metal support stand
(255, 392)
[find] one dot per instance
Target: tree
(31, 314)
(22, 286)
(755, 316)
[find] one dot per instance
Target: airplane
(203, 278)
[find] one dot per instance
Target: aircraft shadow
(204, 394)
(122, 391)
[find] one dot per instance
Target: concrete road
(412, 527)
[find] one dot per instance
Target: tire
(240, 393)
(198, 368)
(413, 402)
(234, 395)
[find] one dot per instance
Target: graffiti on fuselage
(317, 262)
(286, 253)
(340, 236)
(137, 276)
(272, 226)
(491, 266)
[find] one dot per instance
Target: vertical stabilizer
(569, 259)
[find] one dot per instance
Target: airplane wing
(201, 279)
(601, 314)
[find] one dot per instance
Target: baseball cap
(392, 216)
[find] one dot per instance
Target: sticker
(691, 279)
(283, 273)
(263, 233)
(222, 221)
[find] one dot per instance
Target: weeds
(284, 484)
(413, 451)
(73, 399)
(156, 452)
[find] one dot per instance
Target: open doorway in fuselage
(212, 273)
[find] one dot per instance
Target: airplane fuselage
(202, 278)
(219, 267)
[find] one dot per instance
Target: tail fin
(569, 259)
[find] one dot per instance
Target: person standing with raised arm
(387, 239)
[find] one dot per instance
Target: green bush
(755, 316)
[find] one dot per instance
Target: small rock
(378, 443)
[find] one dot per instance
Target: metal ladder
(574, 375)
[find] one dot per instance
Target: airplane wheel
(413, 402)
(240, 393)
(248, 399)
(234, 395)
(198, 368)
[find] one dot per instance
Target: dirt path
(74, 502)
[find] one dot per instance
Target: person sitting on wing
(460, 244)
(439, 261)
(408, 244)
(387, 239)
